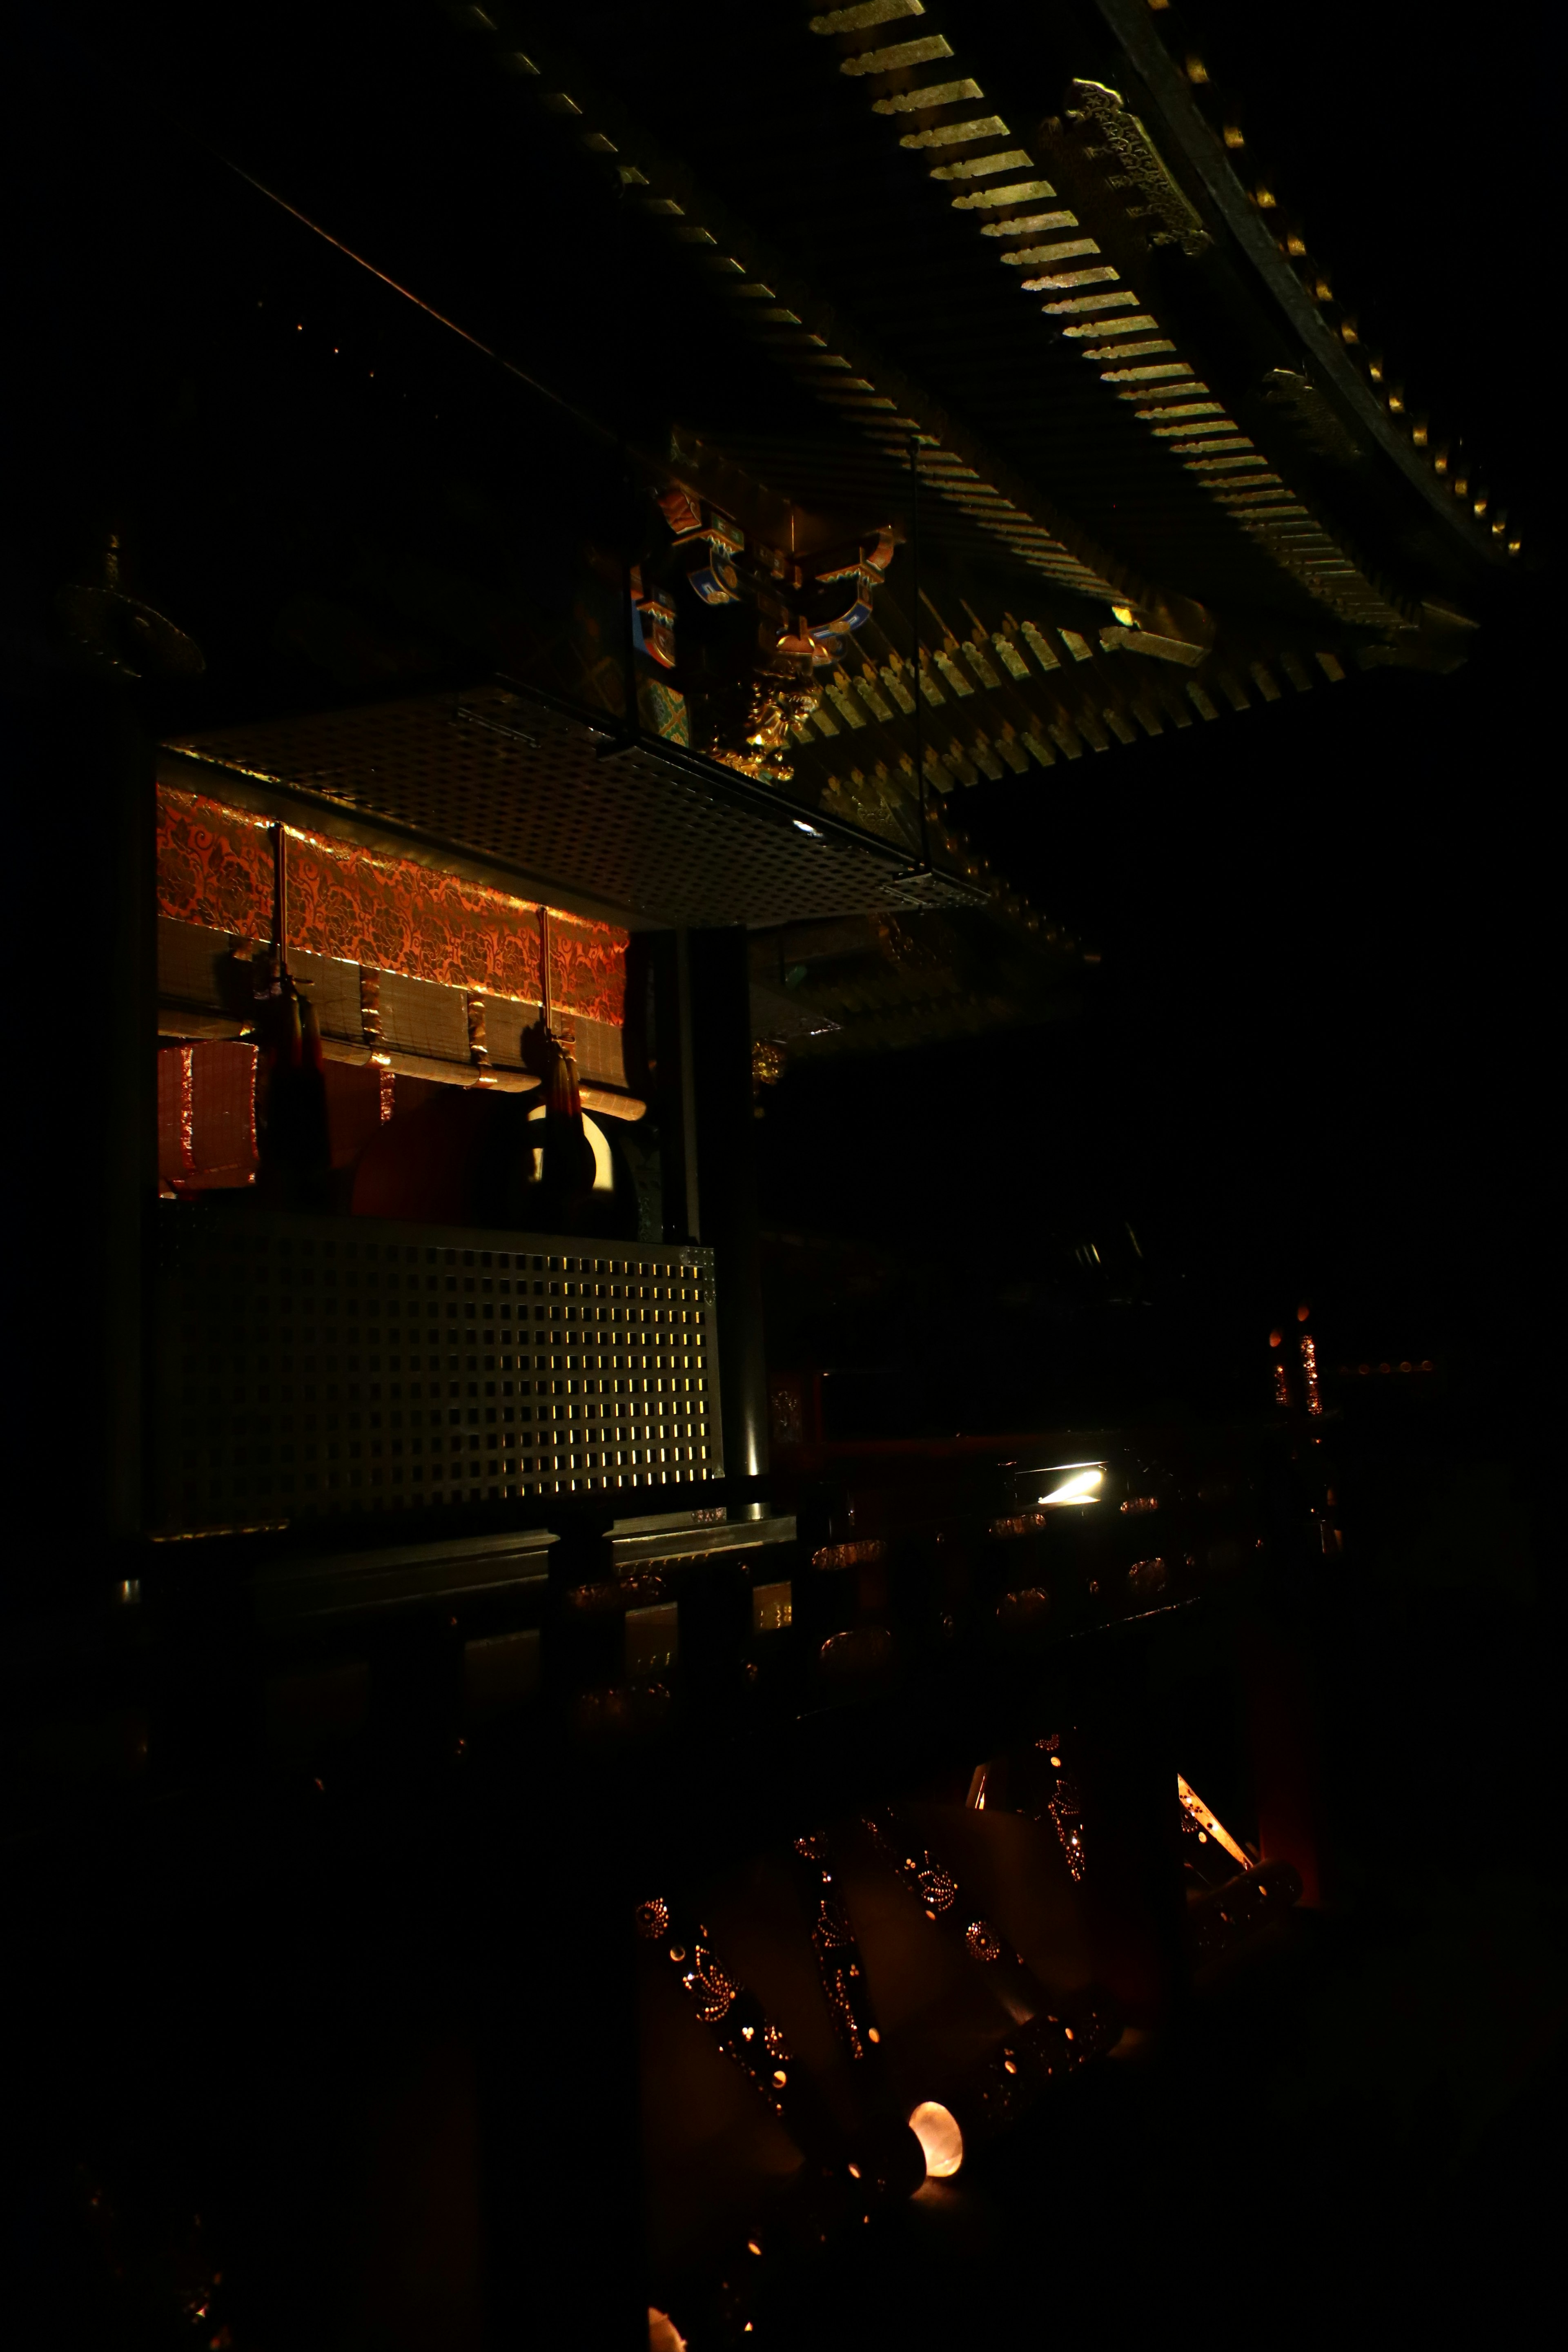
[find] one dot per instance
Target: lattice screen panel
(315, 1368)
(499, 775)
(601, 1051)
(417, 1016)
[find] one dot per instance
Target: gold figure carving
(808, 610)
(778, 705)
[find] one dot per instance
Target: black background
(1318, 1060)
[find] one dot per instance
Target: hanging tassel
(567, 1176)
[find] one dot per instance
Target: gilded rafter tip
(866, 13)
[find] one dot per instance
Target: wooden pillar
(726, 1152)
(81, 778)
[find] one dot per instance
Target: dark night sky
(1319, 1055)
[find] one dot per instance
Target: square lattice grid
(321, 1367)
(501, 777)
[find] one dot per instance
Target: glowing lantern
(939, 2135)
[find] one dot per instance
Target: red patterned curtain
(214, 868)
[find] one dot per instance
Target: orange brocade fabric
(214, 868)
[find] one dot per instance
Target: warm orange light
(1080, 1483)
(1208, 1820)
(938, 2134)
(1276, 1338)
(1301, 1313)
(1309, 1371)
